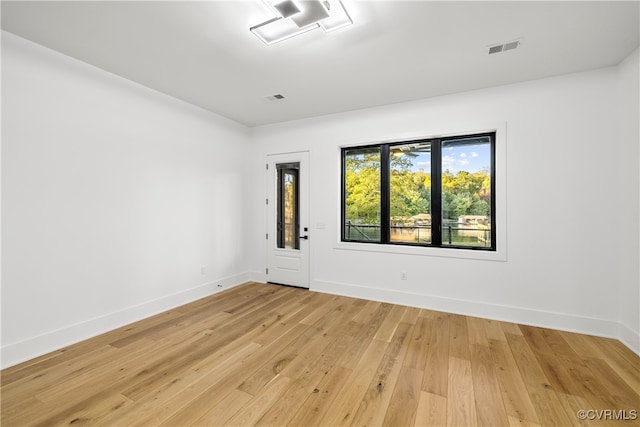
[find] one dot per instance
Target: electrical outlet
(203, 270)
(403, 275)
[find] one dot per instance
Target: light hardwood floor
(272, 356)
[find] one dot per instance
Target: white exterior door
(288, 219)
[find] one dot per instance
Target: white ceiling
(204, 54)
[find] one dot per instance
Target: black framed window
(437, 192)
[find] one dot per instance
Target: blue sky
(470, 158)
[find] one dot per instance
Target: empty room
(320, 213)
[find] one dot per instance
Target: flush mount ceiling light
(294, 17)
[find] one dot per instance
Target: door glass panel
(288, 217)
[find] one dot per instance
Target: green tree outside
(463, 193)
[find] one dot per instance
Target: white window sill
(498, 255)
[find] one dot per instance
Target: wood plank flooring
(267, 355)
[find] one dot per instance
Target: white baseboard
(32, 347)
(258, 276)
(629, 337)
(525, 316)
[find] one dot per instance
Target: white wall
(114, 197)
(628, 193)
(561, 164)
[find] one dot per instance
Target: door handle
(304, 237)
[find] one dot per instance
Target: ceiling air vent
(276, 97)
(511, 45)
(503, 47)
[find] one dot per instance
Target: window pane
(289, 210)
(466, 192)
(410, 193)
(362, 194)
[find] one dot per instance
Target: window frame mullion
(436, 192)
(385, 194)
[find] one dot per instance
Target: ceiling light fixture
(297, 17)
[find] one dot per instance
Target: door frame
(271, 159)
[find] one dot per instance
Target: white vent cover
(511, 45)
(275, 97)
(503, 47)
